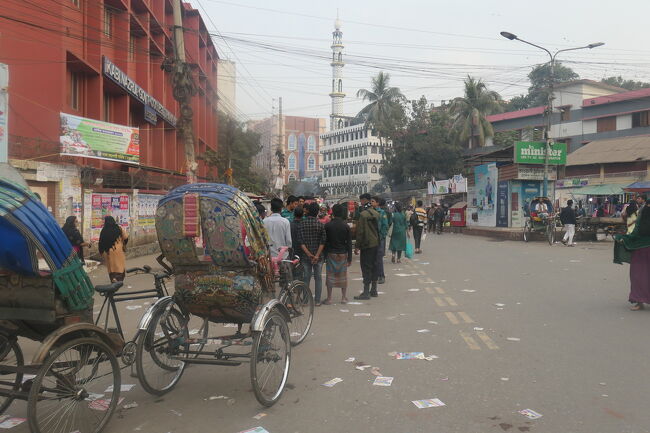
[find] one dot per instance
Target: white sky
(428, 47)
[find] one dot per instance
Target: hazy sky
(282, 47)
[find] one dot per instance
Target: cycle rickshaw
(540, 218)
(219, 251)
(73, 380)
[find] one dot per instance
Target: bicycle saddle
(109, 288)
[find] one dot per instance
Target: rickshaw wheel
(69, 392)
(159, 349)
(300, 303)
(528, 229)
(550, 233)
(10, 355)
(270, 359)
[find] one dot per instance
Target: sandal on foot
(326, 302)
(344, 301)
(637, 306)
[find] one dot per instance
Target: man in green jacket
(384, 223)
(287, 212)
(367, 241)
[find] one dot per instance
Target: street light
(512, 37)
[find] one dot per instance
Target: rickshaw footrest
(206, 361)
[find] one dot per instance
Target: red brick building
(101, 60)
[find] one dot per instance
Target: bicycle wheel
(77, 389)
(550, 233)
(270, 359)
(528, 230)
(300, 303)
(160, 350)
(11, 356)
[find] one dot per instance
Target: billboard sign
(532, 152)
(91, 138)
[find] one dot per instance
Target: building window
(365, 168)
(131, 47)
(311, 163)
(640, 119)
(75, 2)
(565, 113)
(108, 22)
(292, 177)
(107, 105)
(75, 90)
(340, 86)
(606, 124)
(292, 142)
(292, 162)
(311, 144)
(373, 169)
(373, 150)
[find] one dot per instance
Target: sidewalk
(515, 233)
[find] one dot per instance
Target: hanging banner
(457, 184)
(441, 187)
(91, 138)
(502, 204)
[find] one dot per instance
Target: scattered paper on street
(260, 415)
(255, 430)
(499, 305)
(513, 339)
(350, 359)
(361, 366)
(406, 275)
(194, 331)
(175, 412)
(430, 357)
(357, 279)
(230, 325)
(530, 414)
(476, 328)
(330, 383)
(361, 314)
(468, 290)
(103, 404)
(383, 381)
(375, 371)
(414, 290)
(344, 311)
(217, 397)
(130, 405)
(432, 402)
(433, 322)
(409, 355)
(123, 388)
(422, 331)
(505, 379)
(7, 421)
(133, 307)
(355, 303)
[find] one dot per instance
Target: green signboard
(532, 152)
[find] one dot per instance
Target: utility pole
(280, 151)
(4, 113)
(184, 89)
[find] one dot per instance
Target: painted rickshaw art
(540, 218)
(219, 249)
(46, 296)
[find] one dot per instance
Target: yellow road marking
(487, 340)
(451, 301)
(465, 317)
(470, 341)
(440, 302)
(440, 290)
(452, 318)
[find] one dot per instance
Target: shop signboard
(533, 152)
(91, 138)
(534, 173)
(571, 183)
(502, 204)
(457, 184)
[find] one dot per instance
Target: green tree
(625, 84)
(471, 110)
(385, 111)
(424, 149)
(540, 82)
(237, 148)
(517, 103)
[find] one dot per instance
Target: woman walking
(398, 238)
(338, 253)
(112, 241)
(635, 249)
(71, 230)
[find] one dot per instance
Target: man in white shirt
(278, 227)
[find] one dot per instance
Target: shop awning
(605, 189)
(641, 186)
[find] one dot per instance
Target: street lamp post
(547, 134)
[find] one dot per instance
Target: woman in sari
(112, 243)
(398, 237)
(635, 249)
(71, 230)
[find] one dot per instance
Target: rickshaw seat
(106, 289)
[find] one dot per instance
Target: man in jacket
(292, 203)
(568, 218)
(367, 241)
(384, 223)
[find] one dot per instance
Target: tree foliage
(540, 81)
(625, 84)
(470, 111)
(237, 148)
(423, 149)
(385, 110)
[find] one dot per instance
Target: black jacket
(568, 216)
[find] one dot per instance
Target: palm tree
(385, 104)
(471, 110)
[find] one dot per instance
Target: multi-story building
(352, 154)
(93, 120)
(227, 86)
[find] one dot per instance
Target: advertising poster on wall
(486, 176)
(502, 204)
(524, 192)
(90, 138)
(115, 205)
(457, 184)
(147, 205)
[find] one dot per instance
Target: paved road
(581, 358)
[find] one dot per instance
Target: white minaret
(336, 118)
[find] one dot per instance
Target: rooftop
(535, 111)
(616, 97)
(626, 149)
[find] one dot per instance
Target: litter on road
(355, 303)
(414, 290)
(375, 371)
(255, 430)
(350, 359)
(406, 275)
(361, 314)
(422, 331)
(408, 355)
(123, 388)
(330, 383)
(383, 381)
(468, 290)
(103, 404)
(361, 366)
(133, 307)
(7, 421)
(432, 402)
(430, 357)
(344, 311)
(131, 405)
(530, 414)
(513, 339)
(499, 305)
(476, 328)
(260, 415)
(505, 379)
(175, 412)
(433, 322)
(217, 397)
